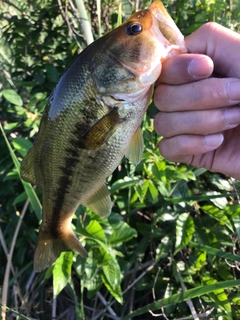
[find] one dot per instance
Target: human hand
(200, 115)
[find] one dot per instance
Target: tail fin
(49, 249)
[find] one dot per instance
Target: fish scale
(92, 120)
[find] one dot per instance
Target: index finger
(204, 94)
(185, 68)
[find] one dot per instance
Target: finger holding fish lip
(185, 68)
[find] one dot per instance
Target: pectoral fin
(135, 148)
(100, 202)
(27, 167)
(101, 131)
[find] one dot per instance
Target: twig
(129, 287)
(30, 280)
(200, 315)
(86, 26)
(65, 17)
(2, 240)
(100, 296)
(54, 308)
(9, 262)
(189, 302)
(140, 277)
(154, 284)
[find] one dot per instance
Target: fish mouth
(168, 27)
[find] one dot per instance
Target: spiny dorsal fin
(27, 167)
(100, 202)
(101, 131)
(135, 148)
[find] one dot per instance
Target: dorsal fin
(27, 167)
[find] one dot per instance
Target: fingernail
(233, 90)
(214, 140)
(200, 67)
(232, 116)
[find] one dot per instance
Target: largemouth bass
(92, 119)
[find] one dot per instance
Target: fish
(92, 120)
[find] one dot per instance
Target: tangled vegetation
(170, 248)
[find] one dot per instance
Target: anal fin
(135, 148)
(100, 202)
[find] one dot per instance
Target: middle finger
(204, 94)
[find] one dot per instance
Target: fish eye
(133, 29)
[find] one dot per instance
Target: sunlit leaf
(112, 276)
(218, 215)
(124, 183)
(22, 145)
(94, 228)
(61, 272)
(153, 191)
(215, 252)
(122, 232)
(10, 126)
(184, 231)
(219, 296)
(183, 296)
(12, 96)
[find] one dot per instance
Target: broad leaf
(12, 96)
(61, 272)
(218, 215)
(122, 233)
(112, 276)
(94, 228)
(184, 231)
(219, 296)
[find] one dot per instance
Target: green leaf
(27, 186)
(141, 190)
(10, 126)
(215, 252)
(219, 296)
(124, 183)
(201, 259)
(94, 228)
(12, 96)
(62, 272)
(20, 198)
(218, 215)
(184, 231)
(52, 73)
(122, 233)
(183, 296)
(112, 276)
(153, 191)
(22, 145)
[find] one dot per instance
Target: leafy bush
(169, 248)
